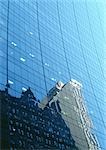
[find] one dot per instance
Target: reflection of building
(68, 101)
(44, 41)
(26, 126)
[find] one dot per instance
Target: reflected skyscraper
(45, 41)
(67, 100)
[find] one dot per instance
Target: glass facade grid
(52, 41)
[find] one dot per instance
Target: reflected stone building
(59, 122)
(26, 126)
(67, 100)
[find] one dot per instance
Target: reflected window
(14, 44)
(66, 97)
(17, 123)
(13, 110)
(53, 79)
(14, 129)
(30, 33)
(24, 89)
(10, 127)
(11, 121)
(20, 124)
(31, 55)
(22, 59)
(22, 132)
(46, 64)
(10, 82)
(29, 128)
(31, 136)
(20, 142)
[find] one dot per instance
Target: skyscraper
(42, 42)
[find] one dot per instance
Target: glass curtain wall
(42, 42)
